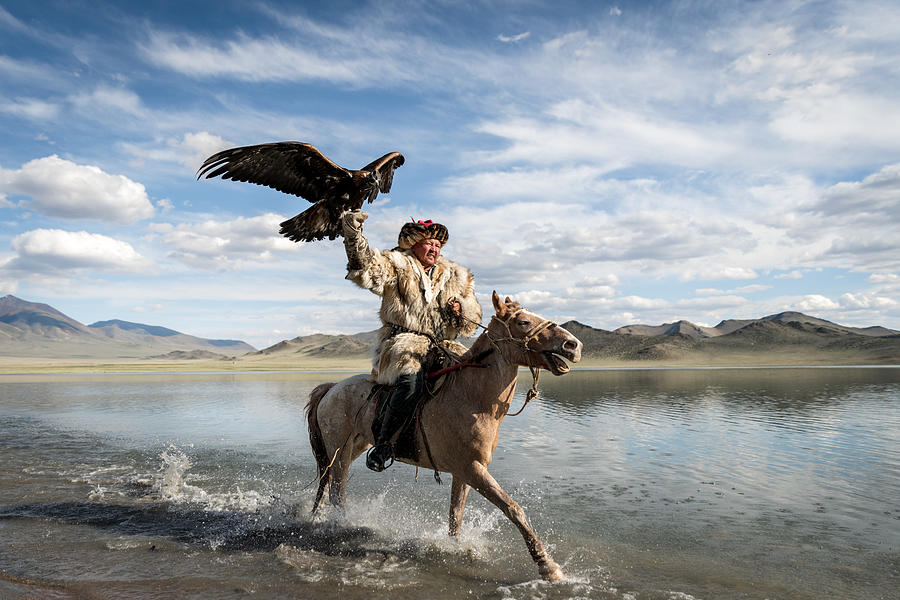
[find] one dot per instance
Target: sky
(613, 163)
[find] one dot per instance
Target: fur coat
(413, 300)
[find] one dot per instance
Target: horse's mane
(470, 354)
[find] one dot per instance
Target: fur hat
(416, 231)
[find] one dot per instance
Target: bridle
(526, 339)
(529, 335)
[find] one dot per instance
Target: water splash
(170, 484)
(394, 515)
(374, 570)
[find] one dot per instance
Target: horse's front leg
(479, 478)
(458, 493)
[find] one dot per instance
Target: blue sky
(612, 163)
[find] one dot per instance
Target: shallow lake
(644, 484)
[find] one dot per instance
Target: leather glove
(352, 220)
(355, 244)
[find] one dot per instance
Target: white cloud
(514, 38)
(832, 118)
(638, 302)
(262, 59)
(814, 302)
(716, 273)
(165, 205)
(865, 300)
(871, 251)
(785, 60)
(795, 274)
(64, 189)
(196, 147)
(814, 87)
(557, 185)
(104, 101)
(746, 289)
(708, 292)
(7, 286)
(10, 22)
(875, 198)
(50, 250)
(224, 244)
(607, 136)
(750, 289)
(598, 283)
(24, 70)
(147, 308)
(31, 108)
(190, 150)
(712, 301)
(884, 278)
(591, 291)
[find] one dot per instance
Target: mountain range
(783, 338)
(29, 329)
(690, 330)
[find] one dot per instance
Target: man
(426, 300)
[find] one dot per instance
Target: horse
(458, 426)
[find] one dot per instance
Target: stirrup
(374, 466)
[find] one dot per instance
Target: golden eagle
(300, 169)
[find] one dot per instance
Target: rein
(473, 362)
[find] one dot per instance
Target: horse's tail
(317, 442)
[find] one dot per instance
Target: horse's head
(542, 343)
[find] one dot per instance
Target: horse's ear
(499, 307)
(508, 300)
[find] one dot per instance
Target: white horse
(458, 427)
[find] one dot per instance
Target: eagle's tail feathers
(314, 223)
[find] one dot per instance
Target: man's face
(427, 251)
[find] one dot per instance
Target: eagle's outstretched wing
(290, 167)
(300, 169)
(384, 167)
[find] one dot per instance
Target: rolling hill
(323, 345)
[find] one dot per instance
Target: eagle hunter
(302, 170)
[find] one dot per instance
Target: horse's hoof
(552, 572)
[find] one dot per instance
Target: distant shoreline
(255, 364)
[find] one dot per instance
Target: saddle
(405, 444)
(435, 370)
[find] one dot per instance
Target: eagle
(301, 169)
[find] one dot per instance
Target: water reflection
(794, 390)
(734, 442)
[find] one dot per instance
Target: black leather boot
(399, 409)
